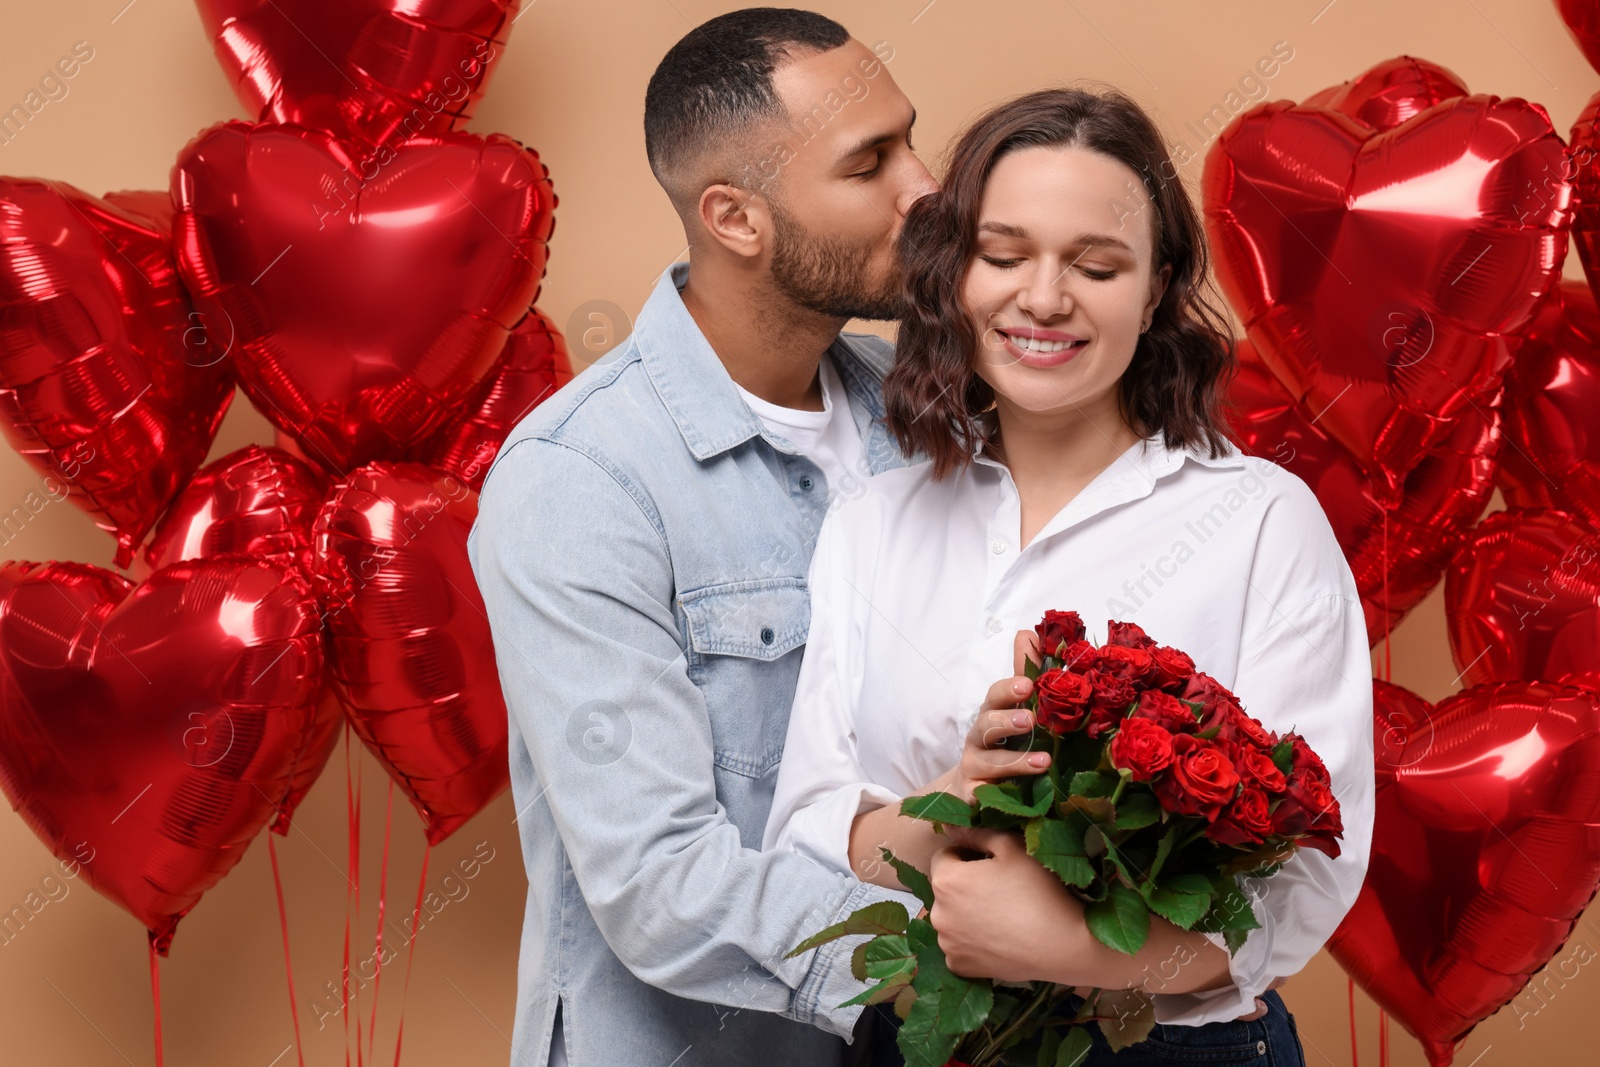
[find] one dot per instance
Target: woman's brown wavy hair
(933, 398)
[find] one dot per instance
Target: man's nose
(920, 185)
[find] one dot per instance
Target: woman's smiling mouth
(1040, 348)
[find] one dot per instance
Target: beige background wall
(74, 984)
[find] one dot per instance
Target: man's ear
(736, 218)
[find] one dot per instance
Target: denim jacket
(642, 544)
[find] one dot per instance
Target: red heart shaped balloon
(154, 726)
(1522, 599)
(104, 383)
(1485, 851)
(360, 315)
(1392, 92)
(409, 645)
(1551, 395)
(258, 503)
(379, 69)
(534, 365)
(1396, 555)
(1583, 23)
(1383, 274)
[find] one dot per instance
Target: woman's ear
(735, 218)
(1158, 289)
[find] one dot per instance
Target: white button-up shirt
(917, 590)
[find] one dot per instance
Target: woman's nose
(1044, 293)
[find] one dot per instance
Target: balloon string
(411, 948)
(377, 958)
(155, 997)
(1388, 619)
(352, 873)
(1355, 1055)
(1383, 1038)
(283, 923)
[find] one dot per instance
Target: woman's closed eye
(1096, 273)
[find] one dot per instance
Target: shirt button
(767, 636)
(997, 546)
(805, 483)
(994, 626)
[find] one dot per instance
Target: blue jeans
(1270, 1041)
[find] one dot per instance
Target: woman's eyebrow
(1083, 240)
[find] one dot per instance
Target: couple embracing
(752, 580)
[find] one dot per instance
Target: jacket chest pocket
(744, 654)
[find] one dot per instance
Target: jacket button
(767, 636)
(805, 483)
(1261, 1048)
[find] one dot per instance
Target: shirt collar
(694, 386)
(1149, 458)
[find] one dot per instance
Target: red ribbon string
(155, 996)
(283, 922)
(1355, 1056)
(377, 954)
(411, 949)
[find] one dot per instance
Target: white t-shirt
(828, 438)
(918, 587)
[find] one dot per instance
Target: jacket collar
(695, 387)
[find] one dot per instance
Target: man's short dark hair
(715, 84)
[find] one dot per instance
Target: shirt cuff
(1228, 1002)
(821, 831)
(830, 982)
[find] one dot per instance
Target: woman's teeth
(1033, 344)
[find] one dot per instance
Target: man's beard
(829, 275)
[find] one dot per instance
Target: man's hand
(983, 757)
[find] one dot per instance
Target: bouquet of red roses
(1162, 792)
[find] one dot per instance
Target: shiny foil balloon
(362, 305)
(150, 731)
(1583, 171)
(1384, 274)
(1398, 562)
(409, 643)
(108, 386)
(1392, 92)
(1552, 398)
(534, 365)
(1583, 23)
(380, 70)
(258, 503)
(1522, 599)
(1485, 851)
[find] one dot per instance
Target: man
(642, 544)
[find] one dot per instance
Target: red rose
(1128, 635)
(1173, 668)
(1143, 746)
(1167, 710)
(1119, 661)
(1063, 700)
(1058, 628)
(1235, 724)
(1206, 691)
(1109, 705)
(1078, 654)
(1256, 766)
(1200, 781)
(1245, 822)
(1291, 819)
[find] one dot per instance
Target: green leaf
(1235, 939)
(913, 879)
(921, 935)
(1181, 899)
(963, 1004)
(1230, 910)
(1049, 1045)
(1092, 784)
(1164, 849)
(1097, 809)
(1007, 797)
(889, 955)
(1136, 810)
(1030, 668)
(884, 917)
(1283, 756)
(1121, 921)
(1059, 846)
(888, 989)
(1074, 1049)
(858, 961)
(938, 807)
(922, 1043)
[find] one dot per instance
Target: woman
(1059, 374)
